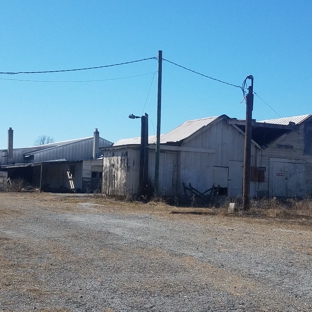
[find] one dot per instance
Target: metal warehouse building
(73, 165)
(209, 152)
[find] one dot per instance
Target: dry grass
(294, 210)
(287, 209)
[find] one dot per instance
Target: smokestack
(96, 141)
(10, 145)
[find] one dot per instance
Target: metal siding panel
(220, 176)
(286, 178)
(167, 173)
(235, 187)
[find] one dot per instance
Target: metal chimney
(10, 145)
(96, 141)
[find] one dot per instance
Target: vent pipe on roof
(96, 141)
(10, 145)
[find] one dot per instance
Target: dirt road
(79, 253)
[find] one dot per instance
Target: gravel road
(84, 253)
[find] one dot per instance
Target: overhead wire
(243, 87)
(78, 81)
(206, 76)
(148, 93)
(268, 105)
(75, 69)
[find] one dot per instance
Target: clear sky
(226, 40)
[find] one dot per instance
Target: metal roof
(176, 135)
(47, 147)
(186, 129)
(135, 141)
(286, 120)
(190, 127)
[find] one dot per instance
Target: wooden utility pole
(157, 156)
(247, 151)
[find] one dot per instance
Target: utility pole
(247, 151)
(144, 149)
(157, 156)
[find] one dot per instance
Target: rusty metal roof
(286, 120)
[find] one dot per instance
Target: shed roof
(263, 132)
(187, 129)
(286, 120)
(176, 135)
(135, 141)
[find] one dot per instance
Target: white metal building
(73, 165)
(210, 152)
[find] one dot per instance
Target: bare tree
(44, 139)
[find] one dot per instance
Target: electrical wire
(148, 93)
(78, 81)
(75, 69)
(243, 87)
(268, 105)
(206, 76)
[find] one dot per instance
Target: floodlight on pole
(131, 116)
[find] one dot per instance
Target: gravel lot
(84, 253)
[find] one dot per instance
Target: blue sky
(227, 40)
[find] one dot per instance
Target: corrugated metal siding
(79, 149)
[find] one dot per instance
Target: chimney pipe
(10, 145)
(96, 140)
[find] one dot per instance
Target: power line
(77, 81)
(206, 76)
(148, 93)
(75, 69)
(268, 105)
(120, 64)
(243, 87)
